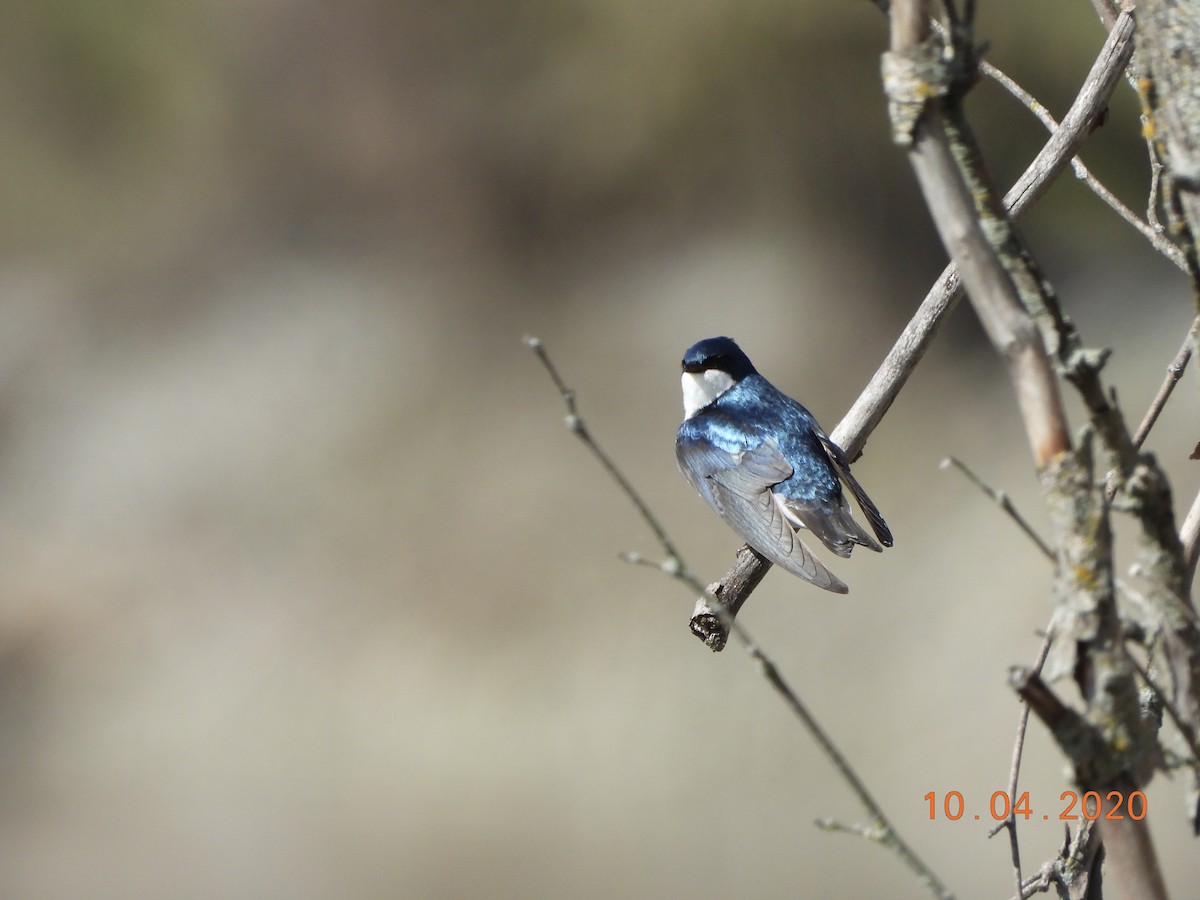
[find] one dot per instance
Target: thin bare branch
(676, 568)
(1154, 195)
(1151, 230)
(1147, 229)
(1003, 501)
(881, 391)
(1014, 772)
(576, 425)
(1174, 373)
(1169, 87)
(862, 831)
(1089, 106)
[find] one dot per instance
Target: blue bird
(763, 463)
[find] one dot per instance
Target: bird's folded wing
(738, 486)
(842, 467)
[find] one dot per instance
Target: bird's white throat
(702, 388)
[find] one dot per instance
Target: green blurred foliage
(527, 126)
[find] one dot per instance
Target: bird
(762, 462)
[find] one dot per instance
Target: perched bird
(763, 463)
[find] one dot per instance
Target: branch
(734, 589)
(1014, 771)
(993, 283)
(1085, 113)
(576, 425)
(1002, 500)
(1189, 536)
(1127, 843)
(1174, 373)
(885, 385)
(1112, 746)
(881, 828)
(1169, 32)
(1147, 230)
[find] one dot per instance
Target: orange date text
(1072, 806)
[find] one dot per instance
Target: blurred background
(306, 590)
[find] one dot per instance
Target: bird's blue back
(754, 410)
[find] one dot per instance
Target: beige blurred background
(307, 592)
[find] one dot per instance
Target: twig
(1003, 501)
(1133, 864)
(885, 385)
(1010, 822)
(1040, 883)
(882, 831)
(1071, 871)
(1014, 771)
(1174, 373)
(862, 831)
(882, 828)
(1168, 33)
(1147, 230)
(1155, 192)
(576, 425)
(1089, 106)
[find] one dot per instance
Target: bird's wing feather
(738, 486)
(831, 521)
(840, 465)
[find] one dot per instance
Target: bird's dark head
(710, 368)
(719, 353)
